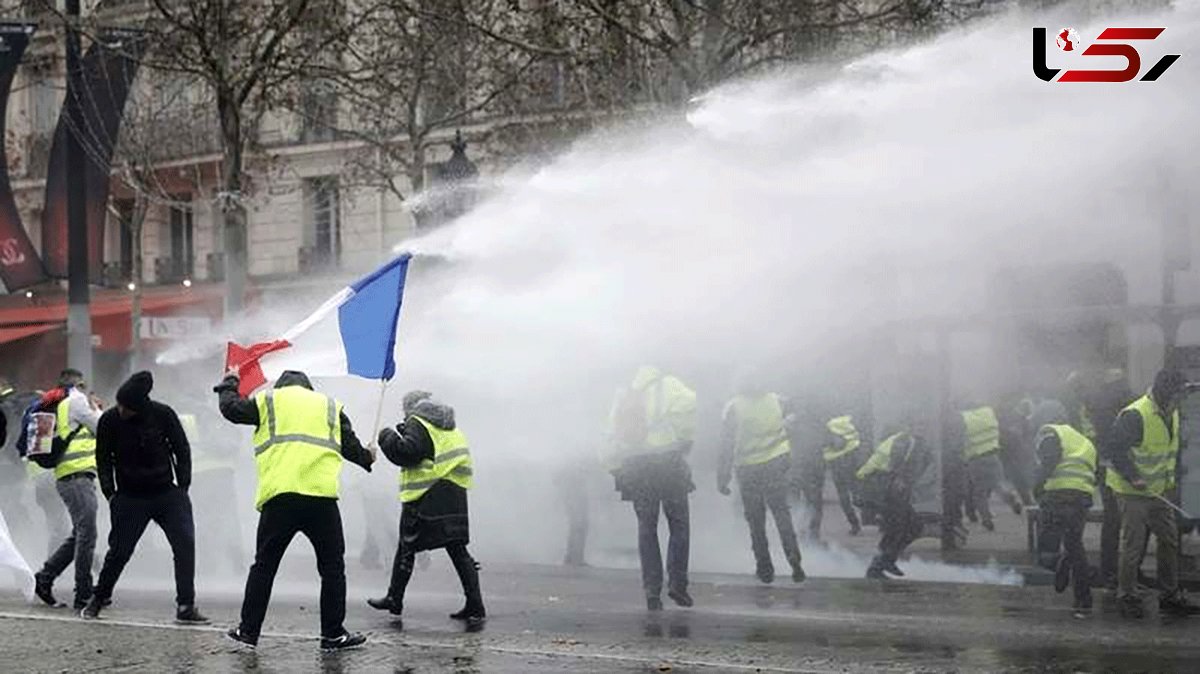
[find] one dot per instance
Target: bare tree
(243, 53)
(671, 50)
(414, 68)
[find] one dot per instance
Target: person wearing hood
(652, 426)
(1065, 485)
(889, 478)
(144, 463)
(300, 440)
(435, 474)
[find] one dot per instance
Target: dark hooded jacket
(244, 411)
(145, 454)
(439, 517)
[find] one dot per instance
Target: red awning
(52, 307)
(13, 334)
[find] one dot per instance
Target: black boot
(43, 587)
(393, 605)
(473, 611)
(875, 570)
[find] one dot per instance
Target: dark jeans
(757, 497)
(983, 477)
(464, 565)
(1065, 522)
(900, 526)
(46, 496)
(172, 512)
(78, 493)
(281, 519)
(646, 507)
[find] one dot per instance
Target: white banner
(174, 327)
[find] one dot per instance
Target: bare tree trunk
(233, 211)
(136, 221)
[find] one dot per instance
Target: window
(318, 113)
(181, 230)
(44, 97)
(324, 232)
(124, 208)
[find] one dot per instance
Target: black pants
(647, 507)
(842, 469)
(172, 512)
(464, 566)
(1065, 522)
(282, 518)
(900, 526)
(758, 496)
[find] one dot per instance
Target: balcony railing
(172, 269)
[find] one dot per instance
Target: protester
(300, 440)
(145, 467)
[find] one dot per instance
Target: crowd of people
(140, 453)
(1058, 453)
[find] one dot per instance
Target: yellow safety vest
(451, 461)
(298, 444)
(1155, 456)
(881, 458)
(843, 427)
(761, 433)
(983, 432)
(1077, 468)
(669, 410)
(80, 456)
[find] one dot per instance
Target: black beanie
(135, 392)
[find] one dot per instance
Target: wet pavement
(545, 619)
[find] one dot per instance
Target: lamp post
(79, 319)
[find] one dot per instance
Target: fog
(780, 224)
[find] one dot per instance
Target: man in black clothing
(1062, 499)
(301, 439)
(889, 478)
(145, 467)
(434, 515)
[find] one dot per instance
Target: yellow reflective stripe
(71, 456)
(273, 439)
(452, 454)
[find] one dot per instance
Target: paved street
(551, 619)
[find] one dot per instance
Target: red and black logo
(1105, 45)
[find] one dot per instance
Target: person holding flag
(300, 440)
(436, 472)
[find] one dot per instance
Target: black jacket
(143, 455)
(439, 518)
(244, 411)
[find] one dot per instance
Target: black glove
(385, 435)
(229, 382)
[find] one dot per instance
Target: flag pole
(383, 383)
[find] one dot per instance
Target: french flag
(368, 312)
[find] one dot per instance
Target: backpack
(46, 404)
(629, 419)
(22, 443)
